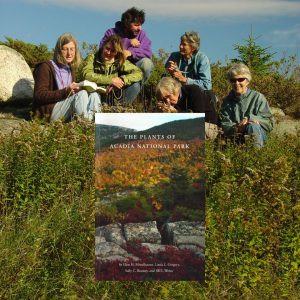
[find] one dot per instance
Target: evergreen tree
(257, 58)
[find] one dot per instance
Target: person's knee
(132, 92)
(95, 102)
(95, 97)
(82, 94)
(253, 127)
(146, 64)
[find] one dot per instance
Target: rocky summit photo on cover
(150, 197)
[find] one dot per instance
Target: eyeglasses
(65, 50)
(233, 80)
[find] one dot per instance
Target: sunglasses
(233, 80)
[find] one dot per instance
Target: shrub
(47, 250)
(281, 87)
(251, 224)
(31, 53)
(31, 177)
(257, 58)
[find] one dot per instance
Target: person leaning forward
(172, 96)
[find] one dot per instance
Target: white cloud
(188, 8)
(286, 38)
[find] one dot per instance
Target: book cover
(150, 197)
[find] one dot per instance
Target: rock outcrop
(16, 80)
(110, 240)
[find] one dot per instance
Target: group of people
(123, 64)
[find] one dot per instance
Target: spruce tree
(257, 58)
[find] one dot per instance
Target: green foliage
(282, 86)
(46, 195)
(280, 92)
(27, 159)
(47, 240)
(188, 214)
(252, 220)
(31, 53)
(159, 70)
(179, 182)
(252, 216)
(257, 58)
(221, 85)
(126, 203)
(87, 49)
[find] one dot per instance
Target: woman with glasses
(190, 65)
(56, 94)
(109, 69)
(245, 111)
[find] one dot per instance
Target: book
(150, 197)
(90, 86)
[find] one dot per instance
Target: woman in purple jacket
(137, 46)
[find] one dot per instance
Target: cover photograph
(150, 196)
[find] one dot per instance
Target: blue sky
(141, 121)
(221, 24)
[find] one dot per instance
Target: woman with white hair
(245, 111)
(173, 97)
(190, 65)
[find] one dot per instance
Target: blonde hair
(192, 38)
(116, 44)
(64, 39)
(239, 69)
(167, 84)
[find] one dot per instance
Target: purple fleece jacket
(144, 50)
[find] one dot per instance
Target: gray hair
(192, 38)
(64, 39)
(167, 84)
(239, 69)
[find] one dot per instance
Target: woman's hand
(178, 75)
(172, 68)
(175, 72)
(165, 107)
(73, 88)
(241, 126)
(253, 121)
(117, 82)
(127, 53)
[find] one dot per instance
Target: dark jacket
(46, 93)
(196, 100)
(251, 105)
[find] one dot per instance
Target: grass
(47, 220)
